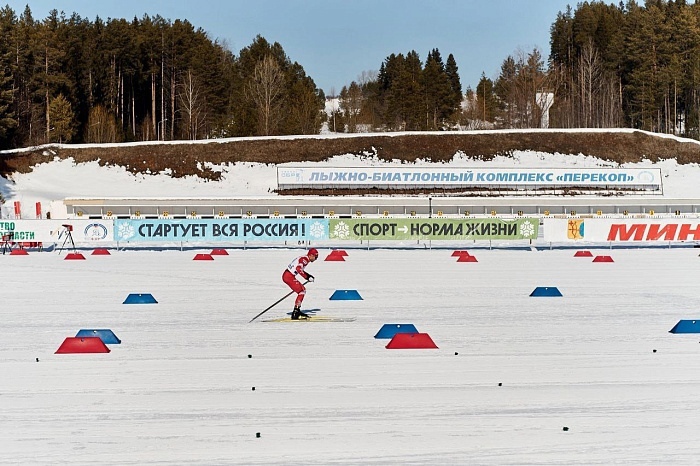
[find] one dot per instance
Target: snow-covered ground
(592, 377)
(58, 179)
(193, 382)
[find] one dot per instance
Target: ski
(312, 319)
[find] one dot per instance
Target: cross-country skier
(296, 269)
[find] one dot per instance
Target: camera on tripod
(67, 229)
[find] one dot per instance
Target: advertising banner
(356, 177)
(433, 229)
(617, 230)
(50, 231)
(192, 230)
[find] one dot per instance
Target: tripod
(7, 242)
(67, 230)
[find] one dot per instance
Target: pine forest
(67, 79)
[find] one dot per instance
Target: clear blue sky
(335, 41)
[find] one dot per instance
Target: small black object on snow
(565, 429)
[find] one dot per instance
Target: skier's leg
(299, 289)
(297, 304)
(300, 296)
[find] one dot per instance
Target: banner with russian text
(289, 177)
(433, 229)
(192, 230)
(621, 230)
(47, 231)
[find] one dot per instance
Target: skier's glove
(309, 277)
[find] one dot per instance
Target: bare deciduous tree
(366, 77)
(266, 90)
(101, 126)
(589, 82)
(190, 104)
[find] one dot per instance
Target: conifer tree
(505, 88)
(452, 72)
(304, 103)
(62, 120)
(411, 83)
(644, 77)
(371, 101)
(53, 77)
(351, 105)
(7, 117)
(438, 92)
(28, 101)
(485, 108)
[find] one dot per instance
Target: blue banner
(191, 230)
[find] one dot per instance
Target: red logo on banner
(654, 232)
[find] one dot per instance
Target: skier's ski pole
(275, 303)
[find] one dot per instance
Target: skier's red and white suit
(296, 269)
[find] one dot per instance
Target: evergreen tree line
(68, 79)
(628, 65)
(405, 95)
(409, 95)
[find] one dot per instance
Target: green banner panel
(433, 229)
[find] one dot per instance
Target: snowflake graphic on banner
(126, 231)
(317, 230)
(527, 229)
(341, 230)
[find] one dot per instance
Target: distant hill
(184, 158)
